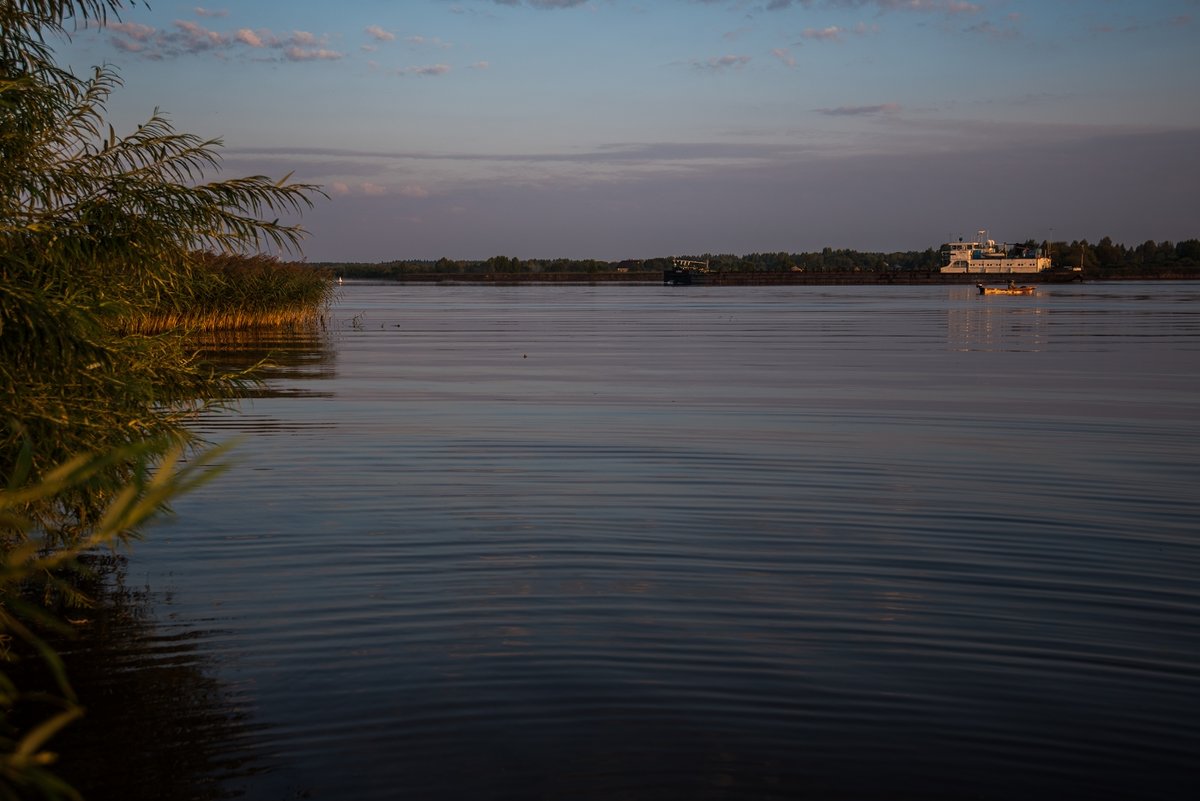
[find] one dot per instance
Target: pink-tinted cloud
(413, 190)
(784, 56)
(297, 53)
(831, 34)
(194, 38)
(187, 37)
(249, 38)
(208, 12)
(379, 34)
(136, 32)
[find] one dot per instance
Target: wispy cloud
(925, 6)
(208, 12)
(859, 111)
(427, 70)
(717, 63)
(1136, 26)
(374, 189)
(543, 3)
(785, 56)
(992, 31)
(296, 53)
(428, 41)
(379, 34)
(836, 33)
(830, 34)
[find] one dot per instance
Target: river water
(643, 542)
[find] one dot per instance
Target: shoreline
(904, 278)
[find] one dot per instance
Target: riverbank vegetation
(1104, 259)
(114, 248)
(232, 292)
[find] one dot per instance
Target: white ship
(986, 256)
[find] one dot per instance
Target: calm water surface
(609, 542)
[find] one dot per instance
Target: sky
(629, 129)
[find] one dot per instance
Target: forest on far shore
(1103, 259)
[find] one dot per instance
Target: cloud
(430, 69)
(207, 12)
(139, 33)
(249, 38)
(297, 53)
(750, 196)
(831, 34)
(835, 33)
(543, 3)
(194, 38)
(190, 38)
(413, 190)
(479, 65)
(992, 31)
(127, 46)
(948, 7)
(1174, 23)
(784, 56)
(379, 34)
(374, 189)
(858, 111)
(420, 41)
(722, 63)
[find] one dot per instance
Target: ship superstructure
(987, 256)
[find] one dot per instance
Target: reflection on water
(297, 361)
(997, 322)
(279, 355)
(710, 542)
(159, 724)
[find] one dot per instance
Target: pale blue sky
(636, 128)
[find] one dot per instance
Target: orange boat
(1011, 289)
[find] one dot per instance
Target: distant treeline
(1104, 258)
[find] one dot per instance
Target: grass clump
(232, 292)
